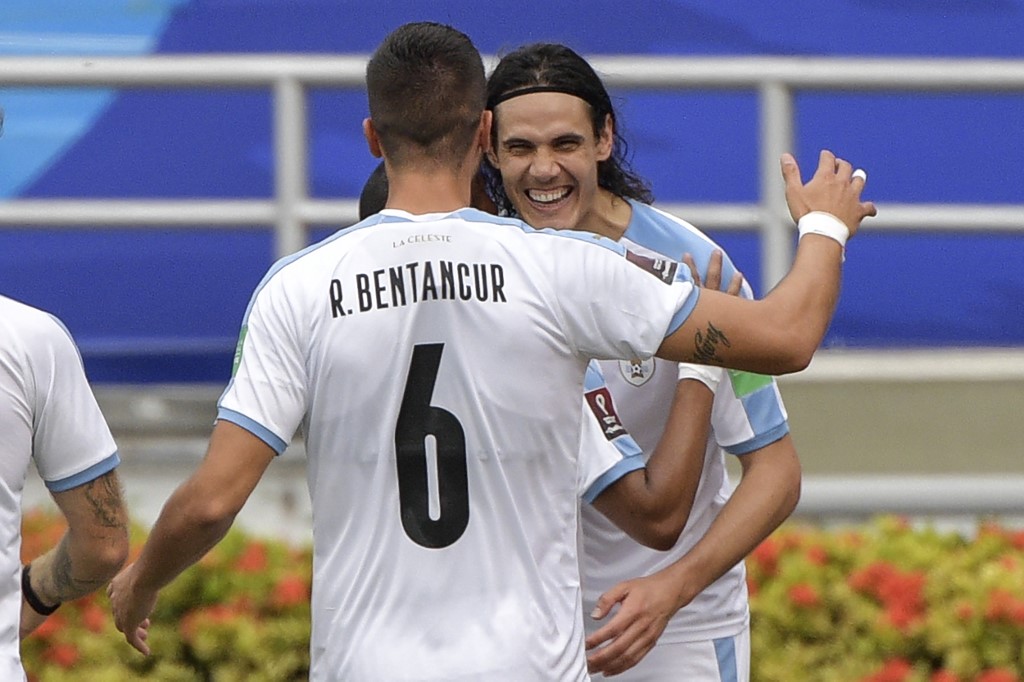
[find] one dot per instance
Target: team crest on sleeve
(600, 401)
(637, 372)
(662, 268)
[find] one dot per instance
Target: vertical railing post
(777, 136)
(290, 165)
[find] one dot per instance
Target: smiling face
(547, 155)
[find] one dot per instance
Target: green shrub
(881, 602)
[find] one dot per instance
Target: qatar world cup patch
(637, 372)
(662, 268)
(600, 401)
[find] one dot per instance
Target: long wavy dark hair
(560, 68)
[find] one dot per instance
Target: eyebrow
(564, 137)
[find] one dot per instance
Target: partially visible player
(48, 416)
(560, 161)
(408, 349)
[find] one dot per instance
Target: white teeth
(548, 197)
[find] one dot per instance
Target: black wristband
(31, 597)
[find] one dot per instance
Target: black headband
(495, 100)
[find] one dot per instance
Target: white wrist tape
(709, 376)
(825, 224)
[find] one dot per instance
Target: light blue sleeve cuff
(759, 441)
(688, 305)
(253, 427)
(625, 466)
(92, 473)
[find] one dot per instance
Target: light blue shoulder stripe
(253, 427)
(680, 317)
(104, 466)
(375, 219)
(594, 378)
(625, 466)
(657, 232)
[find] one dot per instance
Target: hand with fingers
(131, 608)
(645, 607)
(835, 188)
(714, 277)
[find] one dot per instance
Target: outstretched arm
(780, 333)
(92, 550)
(194, 519)
(765, 497)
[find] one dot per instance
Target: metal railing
(291, 211)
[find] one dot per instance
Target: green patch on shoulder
(745, 383)
(238, 350)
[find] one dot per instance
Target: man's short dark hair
(556, 67)
(427, 89)
(374, 196)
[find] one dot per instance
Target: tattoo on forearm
(104, 494)
(65, 585)
(706, 345)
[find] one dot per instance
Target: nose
(543, 166)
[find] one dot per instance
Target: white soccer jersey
(435, 364)
(747, 414)
(47, 414)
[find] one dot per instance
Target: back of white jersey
(437, 365)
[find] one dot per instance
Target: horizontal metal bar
(624, 71)
(835, 496)
(137, 213)
(900, 366)
(248, 212)
(189, 71)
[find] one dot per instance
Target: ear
(372, 141)
(606, 140)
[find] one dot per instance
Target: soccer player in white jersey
(48, 416)
(409, 347)
(561, 163)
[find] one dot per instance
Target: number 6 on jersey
(418, 420)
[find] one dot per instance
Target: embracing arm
(780, 333)
(652, 504)
(766, 495)
(92, 550)
(195, 518)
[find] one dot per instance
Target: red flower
(253, 559)
(93, 617)
(999, 604)
(817, 555)
(804, 595)
(50, 626)
(998, 675)
(752, 587)
(290, 590)
(1016, 538)
(767, 555)
(63, 654)
(964, 610)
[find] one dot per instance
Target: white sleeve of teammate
(268, 392)
(617, 304)
(72, 442)
(607, 451)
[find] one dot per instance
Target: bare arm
(652, 505)
(92, 550)
(765, 497)
(780, 333)
(194, 519)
